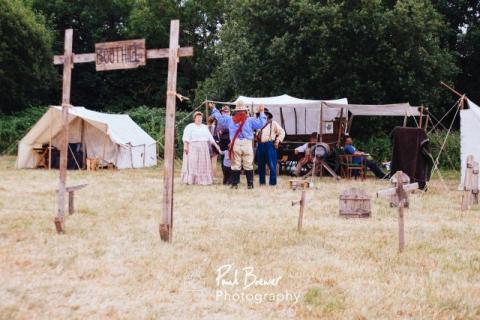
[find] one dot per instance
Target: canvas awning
(297, 116)
(388, 110)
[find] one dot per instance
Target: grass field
(111, 264)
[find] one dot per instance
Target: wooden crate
(355, 203)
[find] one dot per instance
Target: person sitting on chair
(307, 151)
(350, 149)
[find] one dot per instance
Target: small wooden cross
(470, 184)
(123, 55)
(399, 198)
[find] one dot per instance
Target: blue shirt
(349, 149)
(250, 125)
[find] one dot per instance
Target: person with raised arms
(241, 128)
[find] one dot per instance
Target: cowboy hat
(240, 106)
(267, 113)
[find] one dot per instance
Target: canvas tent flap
(114, 138)
(469, 129)
(297, 116)
(391, 110)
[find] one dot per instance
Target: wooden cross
(123, 55)
(470, 184)
(399, 198)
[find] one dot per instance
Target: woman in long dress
(197, 165)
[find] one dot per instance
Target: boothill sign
(127, 54)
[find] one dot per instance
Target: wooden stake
(401, 227)
(67, 77)
(450, 88)
(302, 203)
(167, 218)
(467, 184)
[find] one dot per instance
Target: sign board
(328, 127)
(127, 54)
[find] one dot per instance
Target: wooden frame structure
(123, 55)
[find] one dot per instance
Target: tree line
(370, 51)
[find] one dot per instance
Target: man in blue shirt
(241, 128)
(350, 149)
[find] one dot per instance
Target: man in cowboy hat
(269, 139)
(241, 130)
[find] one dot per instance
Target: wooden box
(355, 203)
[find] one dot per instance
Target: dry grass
(111, 263)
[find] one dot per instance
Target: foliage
(14, 127)
(25, 57)
(369, 51)
(152, 120)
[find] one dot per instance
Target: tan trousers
(242, 155)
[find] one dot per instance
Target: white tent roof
(298, 116)
(120, 129)
(392, 110)
(469, 129)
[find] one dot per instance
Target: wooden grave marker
(470, 184)
(123, 55)
(399, 198)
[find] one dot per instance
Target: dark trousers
(227, 173)
(267, 155)
(375, 169)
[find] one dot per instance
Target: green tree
(25, 57)
(371, 51)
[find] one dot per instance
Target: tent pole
(321, 123)
(104, 146)
(50, 142)
(340, 125)
(420, 121)
(82, 142)
(350, 120)
(451, 89)
(405, 121)
(206, 108)
(144, 153)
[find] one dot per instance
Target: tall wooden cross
(123, 55)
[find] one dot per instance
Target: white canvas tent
(469, 130)
(114, 138)
(297, 116)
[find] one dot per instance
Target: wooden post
(71, 204)
(401, 227)
(302, 203)
(167, 218)
(340, 126)
(67, 76)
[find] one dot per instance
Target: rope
(435, 163)
(456, 103)
(435, 118)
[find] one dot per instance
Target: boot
(235, 178)
(249, 174)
